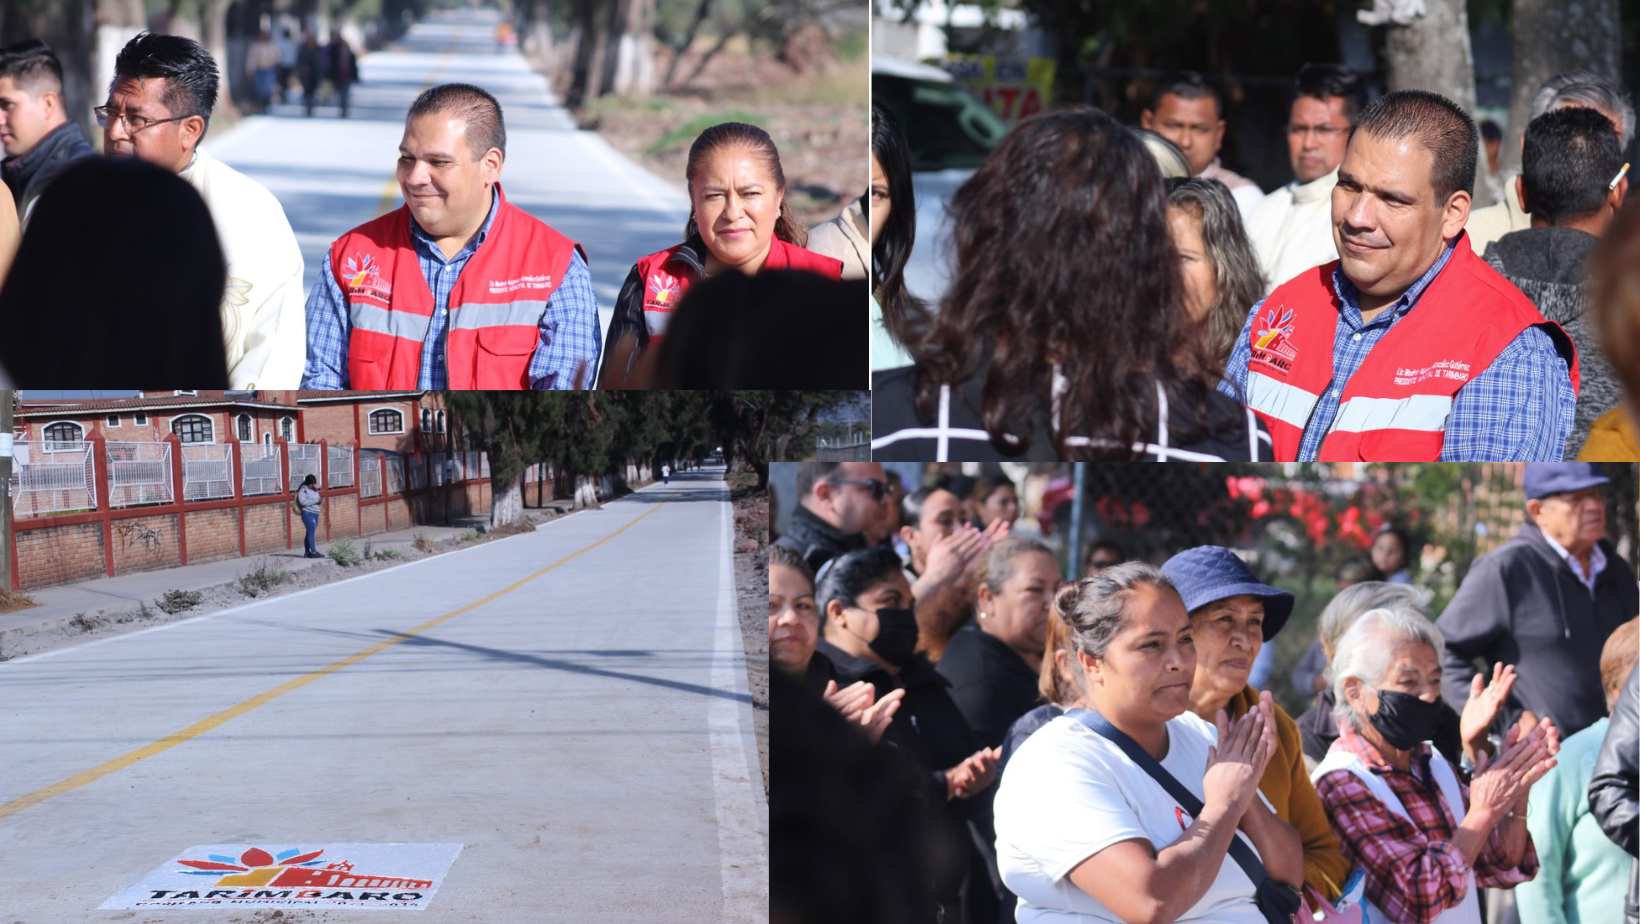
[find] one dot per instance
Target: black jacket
(1614, 789)
(628, 317)
(990, 682)
(26, 175)
(1523, 605)
(818, 541)
(1220, 431)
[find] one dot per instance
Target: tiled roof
(101, 405)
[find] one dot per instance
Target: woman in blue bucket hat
(1232, 615)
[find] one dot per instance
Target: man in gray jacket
(1572, 184)
(1545, 602)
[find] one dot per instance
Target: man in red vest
(1409, 347)
(458, 288)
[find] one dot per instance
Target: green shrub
(342, 553)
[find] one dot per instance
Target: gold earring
(982, 614)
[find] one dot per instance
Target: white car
(950, 133)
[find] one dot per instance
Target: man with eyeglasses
(1545, 602)
(1292, 228)
(39, 137)
(159, 106)
(837, 502)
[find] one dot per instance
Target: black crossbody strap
(1239, 851)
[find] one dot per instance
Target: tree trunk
(629, 64)
(1552, 37)
(506, 503)
(586, 492)
(1432, 52)
(701, 12)
(586, 73)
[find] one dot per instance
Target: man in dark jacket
(38, 136)
(1614, 790)
(1568, 167)
(837, 500)
(1544, 602)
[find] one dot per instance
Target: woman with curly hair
(1064, 333)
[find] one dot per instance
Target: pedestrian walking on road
(310, 68)
(287, 62)
(343, 68)
(739, 219)
(458, 288)
(666, 475)
(307, 502)
(263, 60)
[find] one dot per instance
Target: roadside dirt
(752, 588)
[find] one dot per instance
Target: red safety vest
(1394, 408)
(666, 278)
(495, 307)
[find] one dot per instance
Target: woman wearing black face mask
(1424, 839)
(870, 633)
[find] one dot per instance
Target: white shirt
(1597, 562)
(1292, 230)
(264, 327)
(1070, 793)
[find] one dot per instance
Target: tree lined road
(569, 704)
(332, 174)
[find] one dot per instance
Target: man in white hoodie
(1291, 230)
(159, 106)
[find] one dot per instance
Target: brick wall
(344, 516)
(146, 544)
(398, 514)
(375, 518)
(332, 423)
(265, 528)
(212, 534)
(60, 555)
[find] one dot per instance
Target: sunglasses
(879, 489)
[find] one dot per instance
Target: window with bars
(193, 428)
(441, 421)
(386, 420)
(287, 428)
(426, 421)
(244, 423)
(64, 435)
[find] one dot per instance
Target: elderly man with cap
(1232, 615)
(1544, 602)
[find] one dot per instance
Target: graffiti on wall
(136, 534)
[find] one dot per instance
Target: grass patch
(845, 86)
(470, 535)
(178, 601)
(687, 132)
(263, 580)
(343, 553)
(15, 600)
(852, 45)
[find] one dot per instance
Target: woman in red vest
(739, 219)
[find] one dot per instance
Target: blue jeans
(310, 520)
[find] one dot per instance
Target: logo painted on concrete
(397, 876)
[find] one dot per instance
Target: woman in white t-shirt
(1083, 833)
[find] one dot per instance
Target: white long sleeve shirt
(263, 321)
(1292, 230)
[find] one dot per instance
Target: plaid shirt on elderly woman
(1414, 872)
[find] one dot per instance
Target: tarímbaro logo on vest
(1272, 343)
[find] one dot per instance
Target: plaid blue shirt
(569, 326)
(1504, 414)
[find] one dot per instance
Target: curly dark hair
(1063, 255)
(892, 248)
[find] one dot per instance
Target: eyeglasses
(879, 489)
(133, 123)
(1324, 132)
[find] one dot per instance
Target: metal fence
(52, 482)
(370, 474)
(304, 461)
(139, 473)
(825, 451)
(435, 468)
(418, 472)
(261, 464)
(341, 466)
(207, 471)
(393, 467)
(483, 464)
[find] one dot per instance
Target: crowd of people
(974, 736)
(1155, 305)
(458, 288)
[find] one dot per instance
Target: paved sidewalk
(71, 610)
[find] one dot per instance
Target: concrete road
(569, 704)
(333, 174)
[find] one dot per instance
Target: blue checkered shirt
(569, 326)
(1504, 414)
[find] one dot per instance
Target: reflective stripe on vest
(1279, 400)
(1414, 412)
(474, 315)
(401, 324)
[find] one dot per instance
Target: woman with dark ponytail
(739, 219)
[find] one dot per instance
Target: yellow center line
(391, 190)
(204, 725)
